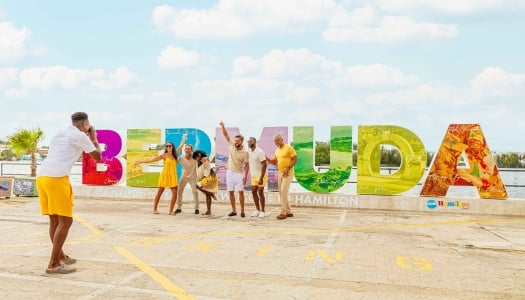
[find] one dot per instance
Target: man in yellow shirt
(285, 158)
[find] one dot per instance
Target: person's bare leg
(156, 200)
(255, 197)
(53, 224)
(262, 200)
(232, 201)
(173, 199)
(61, 231)
(241, 200)
(208, 204)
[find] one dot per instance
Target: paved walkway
(126, 252)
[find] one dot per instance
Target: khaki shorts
(56, 195)
(255, 181)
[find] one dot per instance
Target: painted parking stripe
(171, 287)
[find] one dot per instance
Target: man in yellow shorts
(54, 187)
(257, 164)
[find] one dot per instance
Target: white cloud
(176, 57)
(497, 82)
(292, 62)
(12, 42)
(132, 97)
(453, 7)
(163, 94)
(120, 78)
(244, 89)
(8, 76)
(238, 18)
(303, 95)
(16, 93)
(367, 25)
(193, 23)
(64, 77)
(376, 75)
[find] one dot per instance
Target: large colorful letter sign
(413, 160)
(143, 144)
(109, 170)
(464, 159)
(340, 159)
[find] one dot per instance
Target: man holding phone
(54, 188)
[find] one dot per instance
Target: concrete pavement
(125, 252)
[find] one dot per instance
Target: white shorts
(234, 181)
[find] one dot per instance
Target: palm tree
(24, 141)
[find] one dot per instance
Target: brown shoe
(289, 215)
(281, 216)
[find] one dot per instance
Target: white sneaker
(255, 213)
(261, 214)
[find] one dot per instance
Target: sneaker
(197, 211)
(232, 214)
(261, 214)
(255, 213)
(243, 215)
(178, 210)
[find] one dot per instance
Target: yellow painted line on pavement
(171, 287)
(150, 241)
(98, 234)
(263, 251)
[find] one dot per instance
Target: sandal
(61, 269)
(68, 260)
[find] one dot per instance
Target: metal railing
(5, 165)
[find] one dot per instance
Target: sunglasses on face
(169, 146)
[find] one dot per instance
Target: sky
(421, 65)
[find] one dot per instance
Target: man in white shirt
(257, 164)
(189, 175)
(54, 188)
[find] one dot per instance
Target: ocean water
(514, 180)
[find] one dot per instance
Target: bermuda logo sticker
(431, 204)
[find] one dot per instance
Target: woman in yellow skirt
(168, 176)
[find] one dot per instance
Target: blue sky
(148, 64)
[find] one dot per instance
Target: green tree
(26, 141)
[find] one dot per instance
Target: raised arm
(182, 142)
(225, 132)
(138, 162)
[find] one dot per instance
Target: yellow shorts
(255, 181)
(56, 195)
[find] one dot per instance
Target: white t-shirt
(254, 161)
(64, 150)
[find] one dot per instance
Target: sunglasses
(169, 146)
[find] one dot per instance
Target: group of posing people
(197, 172)
(56, 194)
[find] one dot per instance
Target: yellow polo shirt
(284, 157)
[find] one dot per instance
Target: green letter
(340, 159)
